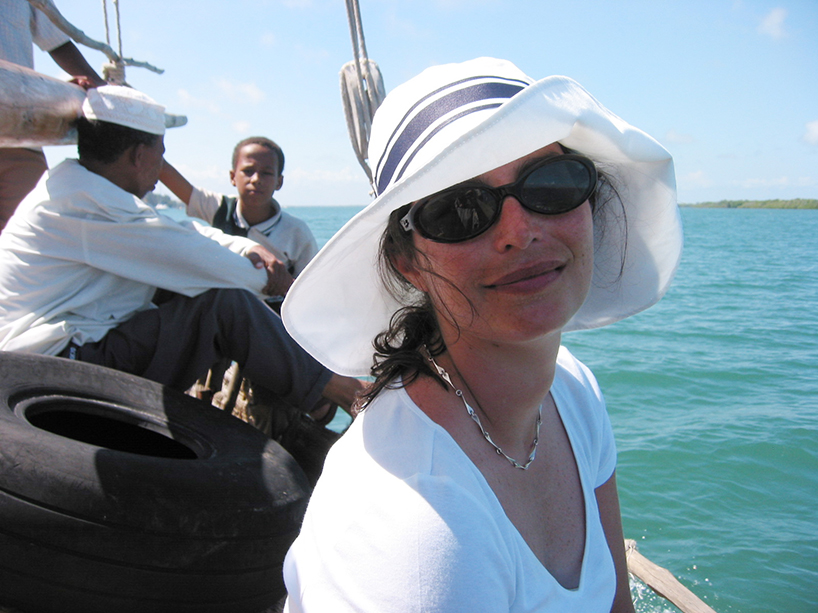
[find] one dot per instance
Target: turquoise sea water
(713, 394)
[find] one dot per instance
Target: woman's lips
(529, 278)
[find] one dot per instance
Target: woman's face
(525, 277)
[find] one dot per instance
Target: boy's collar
(262, 226)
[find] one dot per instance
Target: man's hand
(279, 279)
(84, 82)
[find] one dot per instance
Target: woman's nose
(516, 228)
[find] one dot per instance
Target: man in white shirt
(21, 27)
(83, 256)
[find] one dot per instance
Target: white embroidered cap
(124, 106)
(452, 123)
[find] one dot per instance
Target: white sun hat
(450, 124)
(125, 106)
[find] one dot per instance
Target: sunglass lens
(457, 215)
(557, 187)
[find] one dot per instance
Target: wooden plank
(661, 581)
(35, 109)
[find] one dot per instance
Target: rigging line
(354, 17)
(51, 11)
(361, 88)
(118, 27)
(105, 19)
(118, 24)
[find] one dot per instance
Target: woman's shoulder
(578, 396)
(395, 435)
(583, 411)
(394, 458)
(574, 375)
(394, 451)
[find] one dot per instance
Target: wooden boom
(662, 582)
(35, 109)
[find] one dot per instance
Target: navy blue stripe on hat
(440, 107)
(468, 111)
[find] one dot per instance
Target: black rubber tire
(118, 494)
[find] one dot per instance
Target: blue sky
(730, 87)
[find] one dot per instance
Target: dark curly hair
(262, 141)
(104, 142)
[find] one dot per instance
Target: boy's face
(256, 175)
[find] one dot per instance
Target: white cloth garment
(124, 106)
(402, 521)
(80, 256)
(284, 235)
(21, 26)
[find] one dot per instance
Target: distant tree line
(798, 203)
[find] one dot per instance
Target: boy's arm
(175, 182)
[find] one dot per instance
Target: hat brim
(338, 304)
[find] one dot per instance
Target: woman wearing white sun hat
(481, 474)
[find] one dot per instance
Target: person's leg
(20, 169)
(177, 342)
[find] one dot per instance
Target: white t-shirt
(402, 520)
(284, 235)
(80, 256)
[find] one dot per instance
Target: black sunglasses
(552, 186)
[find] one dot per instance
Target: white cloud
(243, 92)
(784, 181)
(458, 4)
(313, 55)
(811, 133)
(346, 174)
(696, 179)
(200, 174)
(677, 138)
(242, 127)
(773, 23)
(190, 101)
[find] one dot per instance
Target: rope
(118, 27)
(362, 89)
(51, 11)
(105, 18)
(114, 70)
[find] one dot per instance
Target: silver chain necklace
(445, 376)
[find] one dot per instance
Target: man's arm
(176, 183)
(69, 58)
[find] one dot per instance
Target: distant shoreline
(161, 201)
(798, 203)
